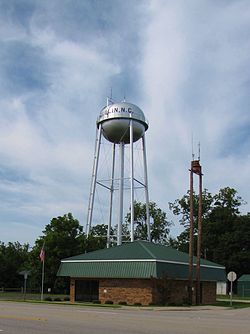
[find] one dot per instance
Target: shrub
(96, 301)
(137, 304)
(123, 303)
(57, 299)
(186, 301)
(66, 299)
(110, 302)
(48, 299)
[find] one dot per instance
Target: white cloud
(48, 135)
(185, 64)
(195, 78)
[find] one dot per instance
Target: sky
(186, 64)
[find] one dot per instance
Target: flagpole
(42, 258)
(42, 279)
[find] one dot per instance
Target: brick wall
(169, 291)
(72, 290)
(130, 291)
(208, 292)
(148, 291)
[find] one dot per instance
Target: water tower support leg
(111, 196)
(121, 188)
(131, 183)
(146, 187)
(93, 180)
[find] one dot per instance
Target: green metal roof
(108, 269)
(138, 250)
(138, 259)
(244, 278)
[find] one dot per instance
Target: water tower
(120, 124)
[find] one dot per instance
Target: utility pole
(195, 169)
(191, 239)
(198, 263)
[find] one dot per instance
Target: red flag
(42, 254)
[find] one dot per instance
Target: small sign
(231, 276)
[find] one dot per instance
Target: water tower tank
(115, 120)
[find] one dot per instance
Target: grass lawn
(55, 298)
(222, 300)
(227, 297)
(29, 296)
(237, 301)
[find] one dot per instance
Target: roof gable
(244, 278)
(138, 250)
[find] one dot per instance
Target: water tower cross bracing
(120, 124)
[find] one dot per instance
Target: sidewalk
(175, 308)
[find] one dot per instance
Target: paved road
(25, 318)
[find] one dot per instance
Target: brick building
(137, 272)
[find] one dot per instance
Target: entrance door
(86, 290)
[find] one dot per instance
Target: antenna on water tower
(199, 151)
(192, 146)
(121, 124)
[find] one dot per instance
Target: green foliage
(97, 238)
(181, 207)
(109, 302)
(48, 299)
(14, 258)
(159, 223)
(225, 233)
(228, 199)
(57, 299)
(96, 301)
(227, 242)
(62, 238)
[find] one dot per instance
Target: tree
(239, 246)
(225, 233)
(97, 238)
(159, 227)
(62, 238)
(181, 208)
(13, 259)
(228, 199)
(221, 230)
